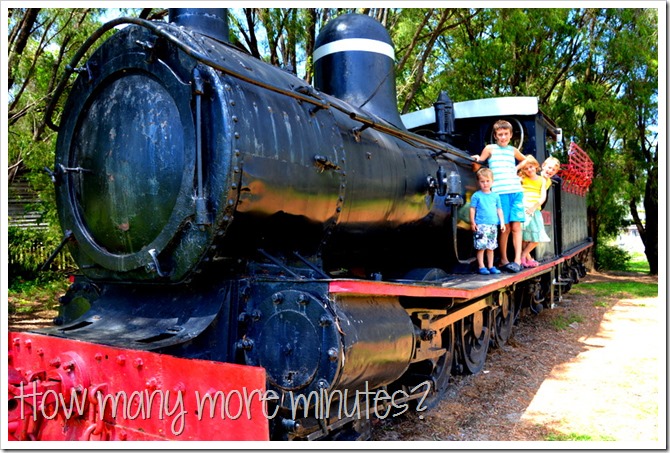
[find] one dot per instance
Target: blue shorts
(512, 207)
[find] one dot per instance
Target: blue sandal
(484, 271)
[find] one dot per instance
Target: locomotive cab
(533, 133)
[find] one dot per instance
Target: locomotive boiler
(222, 210)
(167, 164)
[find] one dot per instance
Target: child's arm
(519, 156)
(473, 225)
(543, 192)
(502, 220)
(486, 153)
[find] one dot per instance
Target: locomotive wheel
(582, 270)
(435, 371)
(474, 334)
(505, 315)
(567, 284)
(442, 368)
(574, 274)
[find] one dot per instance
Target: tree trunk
(651, 226)
(251, 39)
(592, 229)
(25, 28)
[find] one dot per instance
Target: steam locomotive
(264, 259)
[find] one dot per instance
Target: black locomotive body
(220, 208)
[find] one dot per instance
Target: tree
(290, 35)
(617, 95)
(41, 42)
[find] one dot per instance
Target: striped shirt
(503, 165)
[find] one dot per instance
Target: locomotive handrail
(312, 98)
(70, 67)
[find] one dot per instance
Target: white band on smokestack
(360, 44)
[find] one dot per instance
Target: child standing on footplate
(485, 216)
(534, 195)
(502, 159)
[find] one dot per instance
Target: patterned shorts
(488, 239)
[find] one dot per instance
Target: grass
(638, 266)
(562, 322)
(621, 290)
(577, 437)
(638, 263)
(30, 296)
(608, 293)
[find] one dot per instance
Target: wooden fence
(29, 242)
(29, 256)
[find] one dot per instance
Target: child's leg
(517, 239)
(502, 244)
(480, 258)
(489, 258)
(530, 246)
(525, 253)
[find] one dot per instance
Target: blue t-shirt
(486, 207)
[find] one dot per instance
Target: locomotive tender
(300, 253)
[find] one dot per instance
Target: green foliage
(44, 285)
(28, 250)
(611, 258)
(31, 296)
(616, 95)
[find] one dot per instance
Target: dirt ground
(600, 378)
(39, 318)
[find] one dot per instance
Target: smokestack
(212, 22)
(354, 60)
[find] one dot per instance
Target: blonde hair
(486, 172)
(551, 159)
(530, 160)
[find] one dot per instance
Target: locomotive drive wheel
(442, 368)
(474, 335)
(505, 315)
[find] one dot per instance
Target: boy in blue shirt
(485, 216)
